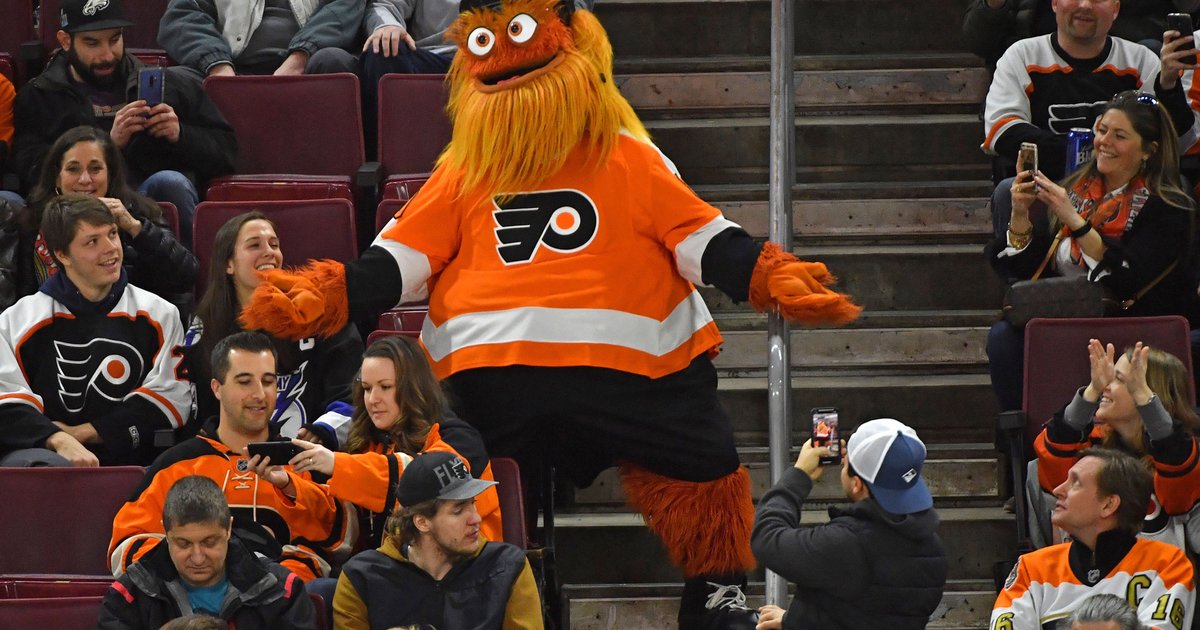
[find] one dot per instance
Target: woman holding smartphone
(85, 160)
(1137, 404)
(1120, 220)
(399, 412)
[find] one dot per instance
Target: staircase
(891, 193)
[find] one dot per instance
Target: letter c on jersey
(564, 221)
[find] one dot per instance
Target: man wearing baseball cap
(433, 560)
(170, 147)
(879, 562)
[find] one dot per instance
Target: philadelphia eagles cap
(79, 16)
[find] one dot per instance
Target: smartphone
(150, 86)
(1182, 22)
(280, 452)
(825, 433)
(1027, 159)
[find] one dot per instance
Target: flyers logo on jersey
(564, 221)
(100, 367)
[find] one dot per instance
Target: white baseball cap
(888, 456)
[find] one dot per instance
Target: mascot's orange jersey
(594, 267)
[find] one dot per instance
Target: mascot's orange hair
(512, 64)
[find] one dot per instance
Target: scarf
(1111, 214)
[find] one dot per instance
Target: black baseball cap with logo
(79, 16)
(438, 475)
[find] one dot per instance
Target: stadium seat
(36, 589)
(512, 500)
(386, 211)
(407, 320)
(17, 31)
(59, 613)
(308, 229)
(1056, 365)
(62, 516)
(329, 152)
(171, 215)
(323, 614)
(413, 126)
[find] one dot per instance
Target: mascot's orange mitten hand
(299, 303)
(798, 290)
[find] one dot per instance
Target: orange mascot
(559, 251)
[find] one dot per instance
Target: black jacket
(49, 105)
(866, 568)
(261, 594)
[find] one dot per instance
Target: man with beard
(433, 560)
(559, 251)
(170, 147)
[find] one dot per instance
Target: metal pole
(783, 174)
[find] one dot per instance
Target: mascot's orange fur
(532, 98)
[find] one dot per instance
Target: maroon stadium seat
(512, 500)
(62, 516)
(404, 187)
(270, 188)
(387, 209)
(36, 589)
(404, 319)
(308, 229)
(171, 215)
(413, 127)
(17, 30)
(59, 613)
(331, 145)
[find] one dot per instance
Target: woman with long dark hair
(1120, 220)
(85, 160)
(399, 412)
(314, 374)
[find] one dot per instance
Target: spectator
(7, 95)
(89, 359)
(289, 524)
(878, 563)
(195, 622)
(1045, 86)
(1104, 612)
(1120, 220)
(204, 569)
(314, 373)
(399, 412)
(220, 37)
(433, 557)
(1137, 405)
(1101, 506)
(170, 147)
(85, 160)
(991, 26)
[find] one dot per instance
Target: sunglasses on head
(1135, 96)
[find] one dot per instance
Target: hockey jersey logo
(564, 221)
(101, 367)
(1067, 116)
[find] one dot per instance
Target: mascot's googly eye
(480, 41)
(521, 28)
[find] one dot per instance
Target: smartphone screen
(1182, 22)
(280, 452)
(1027, 159)
(825, 433)
(150, 86)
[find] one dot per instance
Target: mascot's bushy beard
(509, 139)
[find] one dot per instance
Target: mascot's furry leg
(705, 527)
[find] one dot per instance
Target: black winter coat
(262, 594)
(866, 568)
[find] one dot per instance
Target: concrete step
(965, 604)
(943, 408)
(828, 148)
(946, 220)
(815, 89)
(898, 277)
(900, 349)
(615, 547)
(953, 472)
(671, 28)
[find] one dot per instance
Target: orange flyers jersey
(1154, 577)
(594, 267)
(314, 520)
(363, 479)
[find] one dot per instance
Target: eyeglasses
(1136, 96)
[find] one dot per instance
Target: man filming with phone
(879, 562)
(172, 136)
(289, 525)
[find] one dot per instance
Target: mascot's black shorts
(591, 418)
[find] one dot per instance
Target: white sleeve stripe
(414, 268)
(690, 251)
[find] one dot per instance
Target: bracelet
(1017, 234)
(1082, 231)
